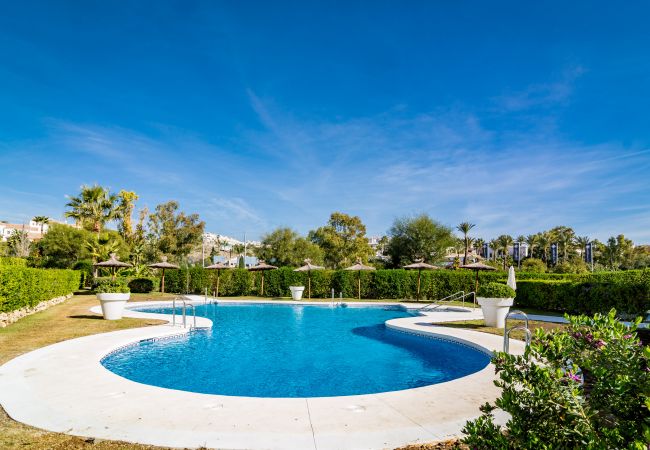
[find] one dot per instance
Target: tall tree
(173, 232)
(564, 236)
(504, 241)
(342, 240)
(42, 220)
(285, 247)
(544, 243)
(478, 246)
(124, 213)
(418, 237)
(63, 246)
(532, 240)
(494, 247)
(92, 208)
(465, 227)
(582, 242)
(19, 244)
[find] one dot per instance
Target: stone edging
(7, 318)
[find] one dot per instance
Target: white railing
(456, 296)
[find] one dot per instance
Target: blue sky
(516, 116)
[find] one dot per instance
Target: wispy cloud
(541, 94)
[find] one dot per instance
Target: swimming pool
(272, 350)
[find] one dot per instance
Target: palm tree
(544, 242)
(42, 220)
(564, 237)
(493, 246)
(92, 208)
(478, 245)
(503, 242)
(582, 242)
(124, 212)
(532, 240)
(465, 228)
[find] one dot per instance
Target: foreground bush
(24, 286)
(585, 387)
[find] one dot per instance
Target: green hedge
(13, 261)
(23, 286)
(576, 293)
(628, 292)
(379, 284)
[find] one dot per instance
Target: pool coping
(64, 388)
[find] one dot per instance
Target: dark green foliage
(585, 387)
(628, 292)
(25, 286)
(495, 290)
(117, 286)
(86, 269)
(13, 261)
(62, 246)
(141, 285)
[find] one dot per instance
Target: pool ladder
(186, 304)
(524, 328)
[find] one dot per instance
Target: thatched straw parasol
(476, 267)
(420, 265)
(113, 263)
(308, 267)
(218, 267)
(262, 267)
(359, 266)
(163, 264)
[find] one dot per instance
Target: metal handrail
(448, 298)
(455, 296)
(506, 331)
(185, 305)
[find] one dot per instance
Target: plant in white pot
(495, 300)
(113, 295)
(296, 292)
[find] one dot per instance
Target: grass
(67, 320)
(479, 325)
(72, 319)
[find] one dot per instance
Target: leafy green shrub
(117, 286)
(584, 387)
(140, 285)
(13, 261)
(86, 269)
(496, 290)
(628, 293)
(26, 286)
(534, 265)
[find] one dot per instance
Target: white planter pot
(296, 292)
(495, 310)
(113, 304)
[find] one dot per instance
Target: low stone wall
(8, 318)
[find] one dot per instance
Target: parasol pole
(218, 274)
(359, 285)
(162, 282)
(309, 284)
(419, 274)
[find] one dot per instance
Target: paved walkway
(64, 388)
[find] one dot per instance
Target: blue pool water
(295, 351)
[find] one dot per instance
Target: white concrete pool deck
(64, 388)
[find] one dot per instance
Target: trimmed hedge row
(627, 291)
(13, 261)
(24, 286)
